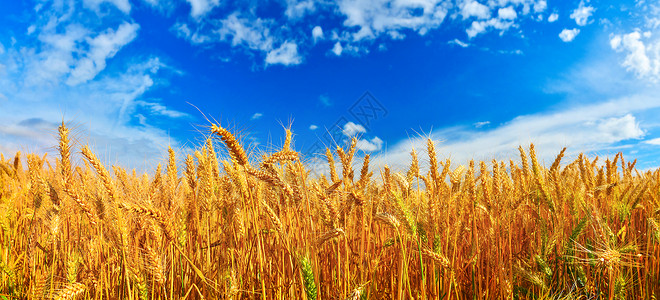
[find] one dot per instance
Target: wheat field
(259, 226)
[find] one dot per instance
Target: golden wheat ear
(235, 149)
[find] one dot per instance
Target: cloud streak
(586, 128)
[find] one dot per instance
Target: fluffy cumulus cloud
(507, 13)
(351, 129)
(199, 8)
(474, 9)
(313, 127)
(317, 33)
(568, 35)
(497, 15)
(642, 55)
(286, 54)
(540, 6)
(366, 145)
(615, 129)
(553, 17)
(337, 49)
(582, 14)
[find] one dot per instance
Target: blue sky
(480, 77)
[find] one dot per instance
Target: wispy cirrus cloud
(96, 5)
(59, 70)
(655, 141)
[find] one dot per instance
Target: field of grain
(259, 226)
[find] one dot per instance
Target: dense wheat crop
(261, 227)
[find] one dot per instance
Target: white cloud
(55, 58)
(340, 48)
(286, 54)
(76, 55)
(123, 5)
(474, 9)
(476, 28)
(366, 23)
(317, 33)
(459, 43)
(296, 9)
(254, 34)
(337, 49)
(584, 128)
(313, 127)
(641, 59)
(615, 42)
(618, 129)
(102, 47)
(540, 6)
(375, 17)
(372, 145)
(507, 13)
(567, 35)
(199, 8)
(256, 116)
(582, 13)
(553, 17)
(655, 142)
(481, 124)
(183, 31)
(351, 129)
(153, 3)
(158, 109)
(479, 27)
